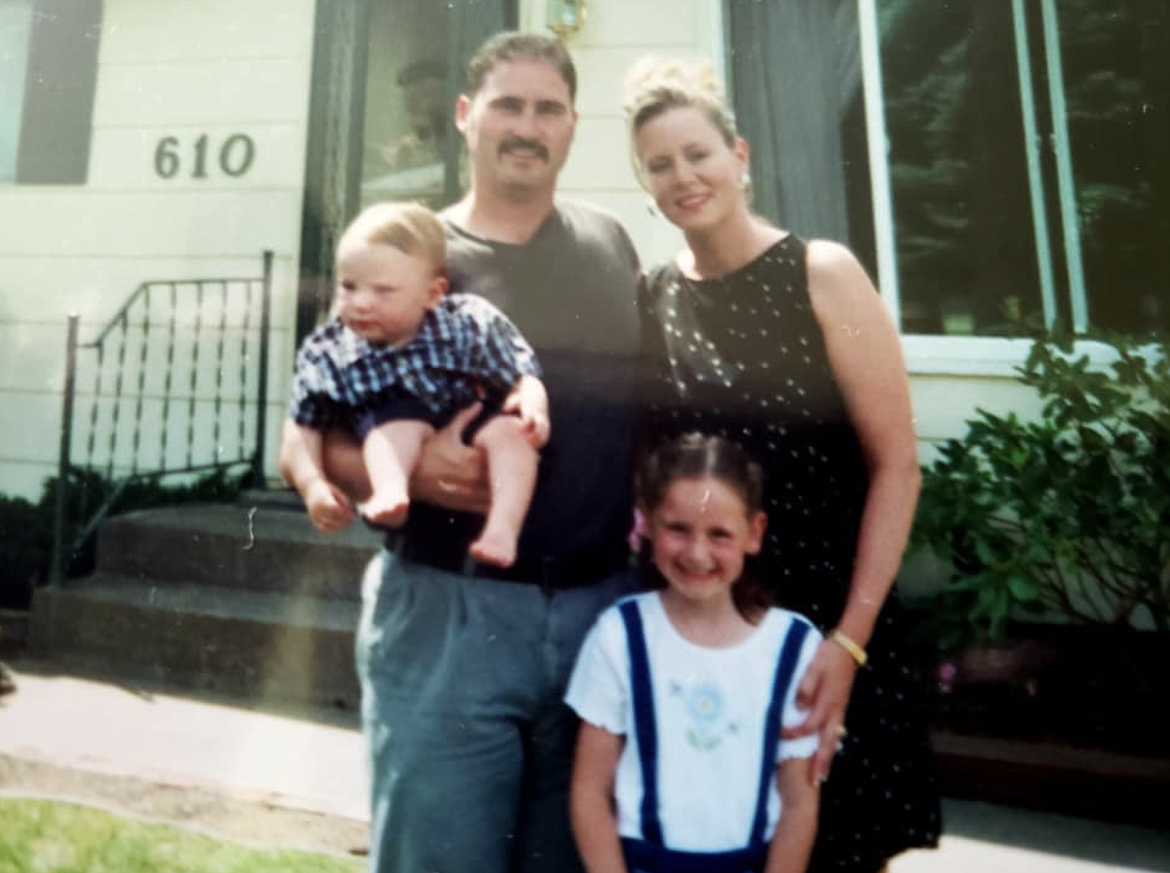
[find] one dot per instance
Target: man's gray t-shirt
(572, 292)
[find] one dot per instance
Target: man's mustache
(531, 145)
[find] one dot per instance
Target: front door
(385, 77)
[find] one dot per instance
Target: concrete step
(287, 647)
(262, 546)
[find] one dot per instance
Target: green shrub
(1068, 513)
(26, 536)
(26, 528)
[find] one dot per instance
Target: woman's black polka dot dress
(744, 356)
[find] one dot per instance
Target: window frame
(56, 119)
(989, 355)
(22, 17)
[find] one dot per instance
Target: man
(422, 98)
(463, 667)
(416, 160)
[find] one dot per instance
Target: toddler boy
(400, 358)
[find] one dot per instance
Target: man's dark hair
(419, 70)
(516, 46)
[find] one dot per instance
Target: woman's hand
(450, 473)
(824, 692)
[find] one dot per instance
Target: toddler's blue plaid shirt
(464, 342)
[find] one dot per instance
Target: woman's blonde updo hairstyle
(654, 85)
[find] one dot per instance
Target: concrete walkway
(311, 761)
(314, 763)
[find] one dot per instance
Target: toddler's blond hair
(409, 227)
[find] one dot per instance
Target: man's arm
(302, 466)
(449, 473)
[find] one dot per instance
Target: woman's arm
(792, 842)
(591, 799)
(866, 357)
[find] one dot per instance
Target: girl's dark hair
(697, 456)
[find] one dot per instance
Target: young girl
(682, 690)
(784, 345)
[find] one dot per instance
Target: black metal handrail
(145, 375)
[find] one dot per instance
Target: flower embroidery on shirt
(704, 706)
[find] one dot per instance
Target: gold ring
(841, 731)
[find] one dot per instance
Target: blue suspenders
(650, 854)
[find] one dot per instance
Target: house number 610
(235, 156)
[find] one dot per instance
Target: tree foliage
(26, 528)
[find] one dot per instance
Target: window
(415, 69)
(48, 70)
(958, 166)
(995, 162)
(1116, 71)
(407, 131)
(385, 77)
(15, 24)
(1025, 162)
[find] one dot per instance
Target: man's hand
(329, 508)
(824, 692)
(530, 402)
(449, 473)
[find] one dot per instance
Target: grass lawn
(43, 836)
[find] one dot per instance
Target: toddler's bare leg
(344, 464)
(511, 462)
(390, 451)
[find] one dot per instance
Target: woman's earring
(651, 207)
(745, 181)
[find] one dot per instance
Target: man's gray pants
(470, 742)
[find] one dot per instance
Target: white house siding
(617, 33)
(189, 68)
(166, 68)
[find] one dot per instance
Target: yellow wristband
(855, 651)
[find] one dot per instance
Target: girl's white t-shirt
(710, 705)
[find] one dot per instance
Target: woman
(785, 346)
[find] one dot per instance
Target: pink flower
(637, 532)
(946, 677)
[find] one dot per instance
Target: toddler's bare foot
(494, 548)
(387, 508)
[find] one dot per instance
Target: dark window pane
(407, 109)
(963, 221)
(417, 53)
(15, 29)
(57, 116)
(1115, 59)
